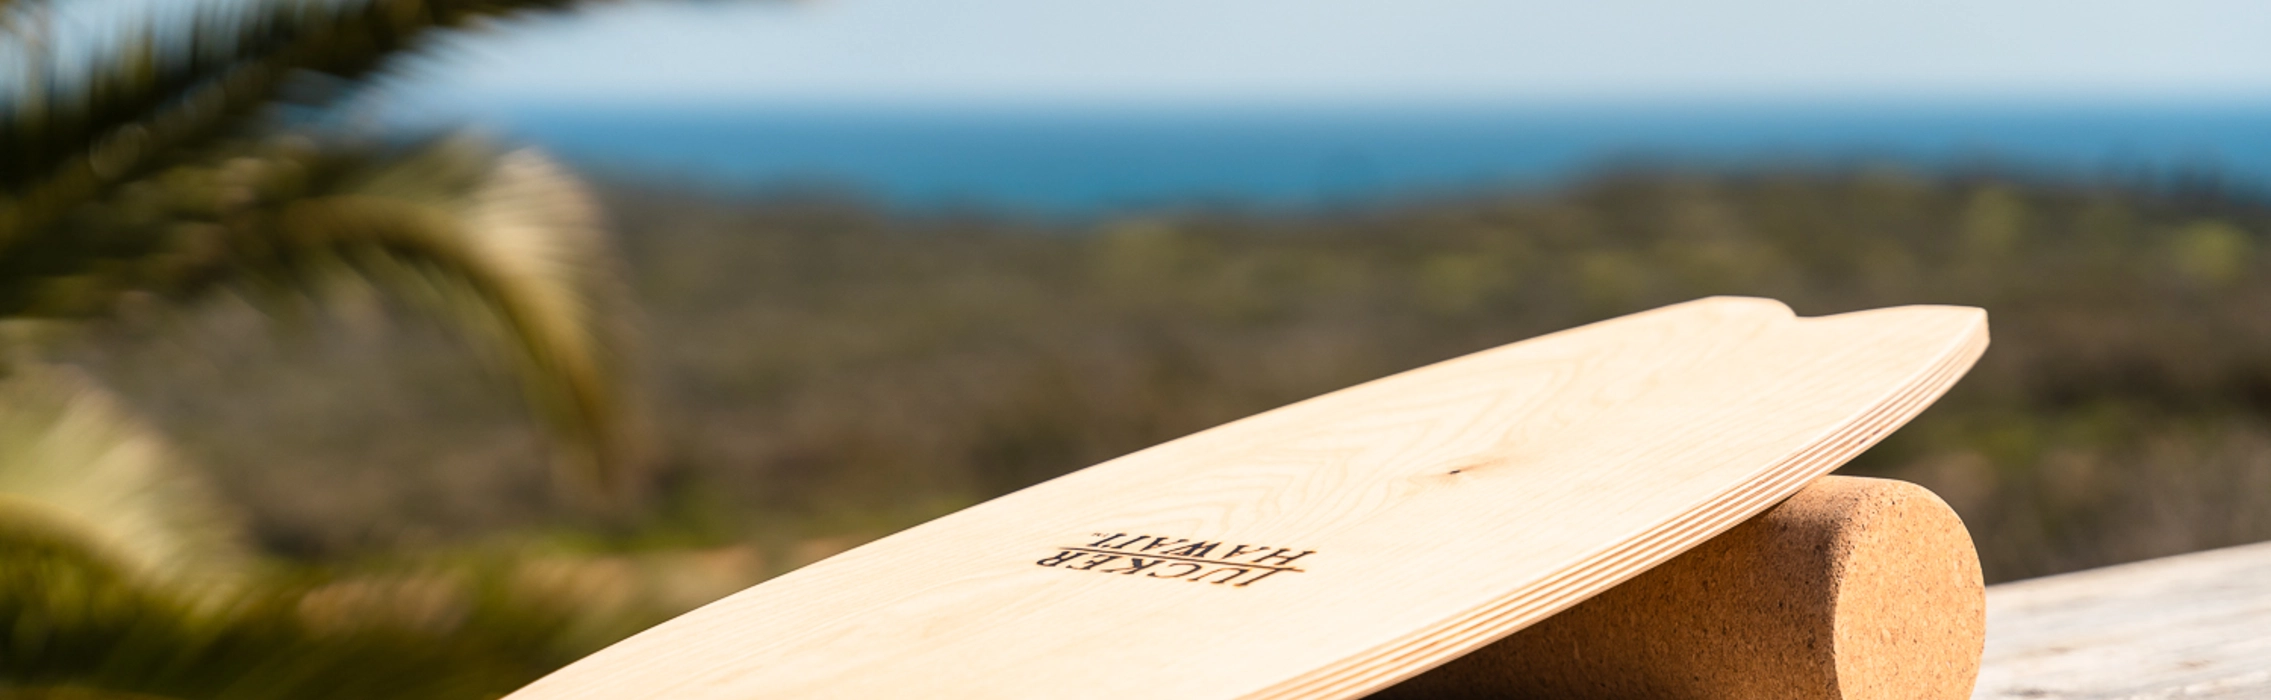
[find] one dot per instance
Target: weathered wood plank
(2190, 626)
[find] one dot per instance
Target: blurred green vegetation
(820, 372)
(815, 359)
(817, 372)
(120, 570)
(150, 179)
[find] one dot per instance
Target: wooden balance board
(1332, 547)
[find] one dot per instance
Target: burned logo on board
(1176, 559)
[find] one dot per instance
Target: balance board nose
(1334, 546)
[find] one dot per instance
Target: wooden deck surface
(2190, 626)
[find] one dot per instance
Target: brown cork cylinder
(1854, 588)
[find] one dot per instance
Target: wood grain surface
(1332, 547)
(2191, 626)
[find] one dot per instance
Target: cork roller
(1854, 588)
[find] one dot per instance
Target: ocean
(1088, 162)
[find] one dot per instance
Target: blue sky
(1364, 51)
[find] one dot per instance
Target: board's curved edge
(1398, 659)
(1437, 644)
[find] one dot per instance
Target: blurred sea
(1088, 162)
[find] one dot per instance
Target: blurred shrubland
(816, 360)
(818, 371)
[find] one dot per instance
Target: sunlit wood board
(2191, 626)
(1331, 547)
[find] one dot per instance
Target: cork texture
(1854, 588)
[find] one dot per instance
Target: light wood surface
(1853, 589)
(1332, 547)
(2190, 626)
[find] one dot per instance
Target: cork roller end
(1854, 588)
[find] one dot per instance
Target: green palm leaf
(80, 472)
(75, 139)
(517, 258)
(506, 246)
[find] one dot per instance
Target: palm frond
(507, 246)
(110, 566)
(79, 470)
(518, 259)
(72, 692)
(77, 629)
(71, 140)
